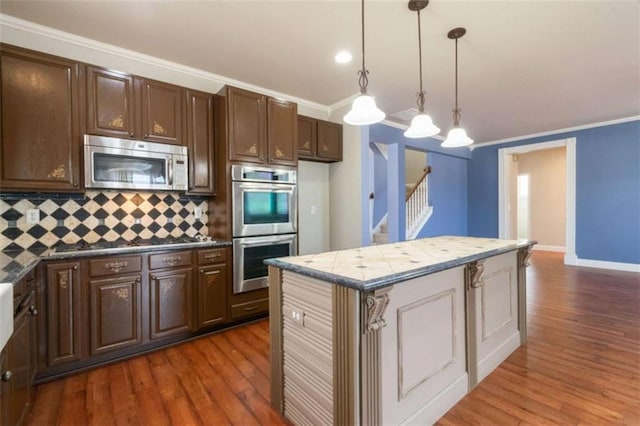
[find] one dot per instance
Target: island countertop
(377, 266)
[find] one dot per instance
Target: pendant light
(457, 136)
(363, 110)
(421, 125)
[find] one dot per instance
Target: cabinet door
(247, 125)
(162, 110)
(282, 131)
(200, 142)
(307, 140)
(63, 313)
(110, 103)
(39, 121)
(19, 364)
(115, 313)
(171, 302)
(212, 284)
(329, 140)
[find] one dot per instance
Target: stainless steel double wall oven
(264, 221)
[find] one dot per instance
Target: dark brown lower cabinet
(115, 313)
(18, 366)
(64, 313)
(212, 282)
(171, 302)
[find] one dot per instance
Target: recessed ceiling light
(343, 57)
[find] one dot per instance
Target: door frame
(504, 166)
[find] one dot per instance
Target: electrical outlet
(33, 216)
(298, 316)
(197, 212)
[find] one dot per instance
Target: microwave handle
(170, 171)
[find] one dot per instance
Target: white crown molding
(555, 132)
(342, 103)
(7, 21)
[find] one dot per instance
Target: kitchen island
(394, 333)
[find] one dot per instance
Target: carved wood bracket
(524, 255)
(376, 304)
(474, 275)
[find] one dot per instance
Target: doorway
(508, 194)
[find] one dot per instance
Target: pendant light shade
(363, 110)
(457, 136)
(421, 125)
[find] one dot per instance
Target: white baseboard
(616, 266)
(495, 358)
(558, 249)
(428, 414)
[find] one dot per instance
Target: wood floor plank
(581, 365)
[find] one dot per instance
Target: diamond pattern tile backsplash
(97, 216)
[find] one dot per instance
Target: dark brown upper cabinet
(319, 140)
(282, 132)
(260, 129)
(200, 142)
(307, 136)
(39, 120)
(247, 125)
(124, 106)
(162, 112)
(110, 103)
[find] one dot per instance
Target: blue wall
(447, 182)
(447, 195)
(607, 191)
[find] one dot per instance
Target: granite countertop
(373, 267)
(15, 264)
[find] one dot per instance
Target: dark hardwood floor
(581, 365)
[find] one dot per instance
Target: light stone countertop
(377, 266)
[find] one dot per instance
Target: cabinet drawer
(170, 259)
(249, 308)
(206, 257)
(115, 265)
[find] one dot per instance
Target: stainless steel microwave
(129, 164)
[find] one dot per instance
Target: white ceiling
(525, 66)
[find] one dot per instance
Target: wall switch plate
(298, 316)
(197, 212)
(33, 216)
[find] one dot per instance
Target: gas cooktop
(137, 242)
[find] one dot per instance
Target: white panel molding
(495, 358)
(555, 132)
(541, 247)
(601, 264)
(484, 290)
(442, 403)
(10, 27)
(404, 389)
(503, 189)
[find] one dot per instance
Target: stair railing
(417, 204)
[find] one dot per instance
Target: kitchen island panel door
(495, 313)
(423, 348)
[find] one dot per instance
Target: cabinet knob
(33, 311)
(75, 184)
(75, 267)
(6, 376)
(131, 134)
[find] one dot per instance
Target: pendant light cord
(363, 80)
(420, 95)
(456, 111)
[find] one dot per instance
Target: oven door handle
(266, 241)
(267, 186)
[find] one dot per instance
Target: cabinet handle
(6, 376)
(33, 311)
(212, 255)
(116, 266)
(171, 259)
(75, 267)
(253, 308)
